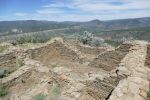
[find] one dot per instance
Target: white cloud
(87, 17)
(59, 4)
(97, 6)
(20, 14)
(83, 10)
(49, 11)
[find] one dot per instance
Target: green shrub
(3, 91)
(3, 48)
(33, 39)
(88, 38)
(3, 73)
(19, 63)
(113, 43)
(57, 90)
(148, 95)
(54, 65)
(39, 97)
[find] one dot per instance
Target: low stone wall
(8, 61)
(111, 59)
(135, 85)
(90, 50)
(55, 50)
(147, 61)
(101, 89)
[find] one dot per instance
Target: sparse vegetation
(55, 93)
(54, 65)
(19, 63)
(33, 39)
(39, 97)
(3, 48)
(3, 91)
(88, 39)
(57, 90)
(148, 95)
(113, 43)
(3, 73)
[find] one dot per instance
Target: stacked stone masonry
(8, 61)
(120, 74)
(111, 59)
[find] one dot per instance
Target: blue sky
(73, 10)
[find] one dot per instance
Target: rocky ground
(59, 70)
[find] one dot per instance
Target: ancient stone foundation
(111, 59)
(147, 62)
(55, 71)
(8, 61)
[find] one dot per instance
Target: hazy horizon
(71, 20)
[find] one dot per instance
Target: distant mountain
(137, 28)
(142, 33)
(128, 23)
(34, 25)
(31, 25)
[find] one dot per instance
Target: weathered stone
(138, 97)
(111, 59)
(137, 82)
(143, 93)
(123, 71)
(148, 76)
(58, 64)
(63, 77)
(147, 62)
(61, 70)
(86, 97)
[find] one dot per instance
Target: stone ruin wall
(111, 59)
(91, 50)
(147, 62)
(57, 50)
(54, 50)
(100, 89)
(8, 61)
